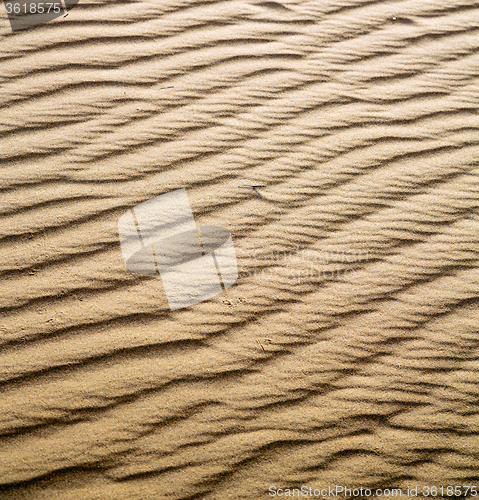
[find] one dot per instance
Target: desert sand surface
(337, 140)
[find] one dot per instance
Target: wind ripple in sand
(359, 121)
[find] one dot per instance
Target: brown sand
(359, 119)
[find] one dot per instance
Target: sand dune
(338, 141)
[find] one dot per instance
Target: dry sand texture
(359, 120)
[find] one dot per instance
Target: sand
(337, 140)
